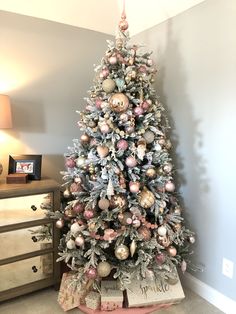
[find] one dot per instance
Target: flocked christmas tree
(125, 217)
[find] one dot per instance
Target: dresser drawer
(23, 241)
(23, 208)
(26, 271)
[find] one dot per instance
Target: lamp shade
(5, 112)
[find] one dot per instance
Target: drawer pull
(34, 239)
(33, 207)
(34, 268)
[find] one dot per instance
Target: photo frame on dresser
(27, 164)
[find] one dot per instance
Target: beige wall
(46, 68)
(195, 53)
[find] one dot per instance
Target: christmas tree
(124, 214)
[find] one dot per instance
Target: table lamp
(5, 116)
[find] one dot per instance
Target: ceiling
(100, 15)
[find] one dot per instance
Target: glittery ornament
(131, 162)
(102, 151)
(70, 163)
(80, 161)
(134, 186)
(149, 137)
(122, 144)
(162, 231)
(105, 72)
(138, 111)
(91, 273)
(167, 167)
(119, 102)
(151, 173)
(85, 139)
(108, 85)
(133, 247)
(118, 200)
(109, 235)
(88, 214)
(79, 241)
(103, 204)
(70, 244)
(75, 228)
(172, 251)
(60, 223)
(122, 252)
(145, 233)
(146, 198)
(169, 186)
(103, 269)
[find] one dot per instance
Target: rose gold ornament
(103, 269)
(60, 223)
(131, 162)
(98, 103)
(85, 139)
(162, 141)
(74, 187)
(124, 117)
(91, 273)
(109, 235)
(118, 200)
(151, 173)
(102, 151)
(122, 144)
(145, 105)
(145, 233)
(134, 186)
(108, 85)
(169, 186)
(105, 128)
(123, 25)
(138, 111)
(146, 198)
(129, 129)
(113, 60)
(79, 241)
(104, 204)
(119, 102)
(70, 163)
(122, 252)
(172, 251)
(88, 214)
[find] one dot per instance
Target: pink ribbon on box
(133, 310)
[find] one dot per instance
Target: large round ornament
(146, 198)
(134, 186)
(75, 227)
(88, 214)
(118, 200)
(103, 204)
(70, 244)
(85, 139)
(149, 136)
(122, 252)
(103, 269)
(131, 162)
(108, 85)
(169, 186)
(119, 102)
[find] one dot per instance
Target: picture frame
(28, 164)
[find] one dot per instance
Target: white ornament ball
(80, 161)
(79, 241)
(169, 186)
(75, 227)
(70, 244)
(103, 269)
(162, 231)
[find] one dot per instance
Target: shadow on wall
(190, 175)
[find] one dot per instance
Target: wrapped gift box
(151, 291)
(93, 300)
(111, 296)
(69, 296)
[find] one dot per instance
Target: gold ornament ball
(103, 269)
(145, 233)
(146, 198)
(103, 204)
(119, 102)
(122, 252)
(108, 85)
(85, 139)
(172, 251)
(119, 201)
(151, 173)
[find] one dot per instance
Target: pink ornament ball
(123, 25)
(79, 241)
(134, 186)
(105, 128)
(98, 103)
(122, 144)
(131, 162)
(145, 105)
(160, 258)
(88, 214)
(91, 273)
(104, 73)
(113, 60)
(130, 129)
(78, 208)
(138, 111)
(70, 163)
(169, 186)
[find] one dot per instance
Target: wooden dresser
(27, 263)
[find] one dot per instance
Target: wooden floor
(45, 302)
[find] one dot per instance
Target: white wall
(196, 56)
(46, 68)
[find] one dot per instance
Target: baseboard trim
(213, 296)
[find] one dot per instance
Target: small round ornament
(108, 85)
(102, 151)
(70, 163)
(131, 162)
(138, 111)
(149, 136)
(145, 105)
(91, 273)
(167, 167)
(112, 60)
(162, 231)
(146, 198)
(79, 241)
(172, 251)
(122, 144)
(70, 244)
(118, 200)
(78, 207)
(80, 161)
(88, 214)
(122, 252)
(60, 223)
(74, 187)
(105, 128)
(119, 102)
(169, 186)
(98, 103)
(129, 129)
(66, 193)
(145, 233)
(103, 204)
(151, 173)
(75, 228)
(85, 139)
(70, 213)
(104, 73)
(124, 117)
(123, 25)
(160, 258)
(134, 186)
(162, 141)
(192, 239)
(103, 269)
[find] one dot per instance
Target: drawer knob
(34, 268)
(34, 239)
(33, 207)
